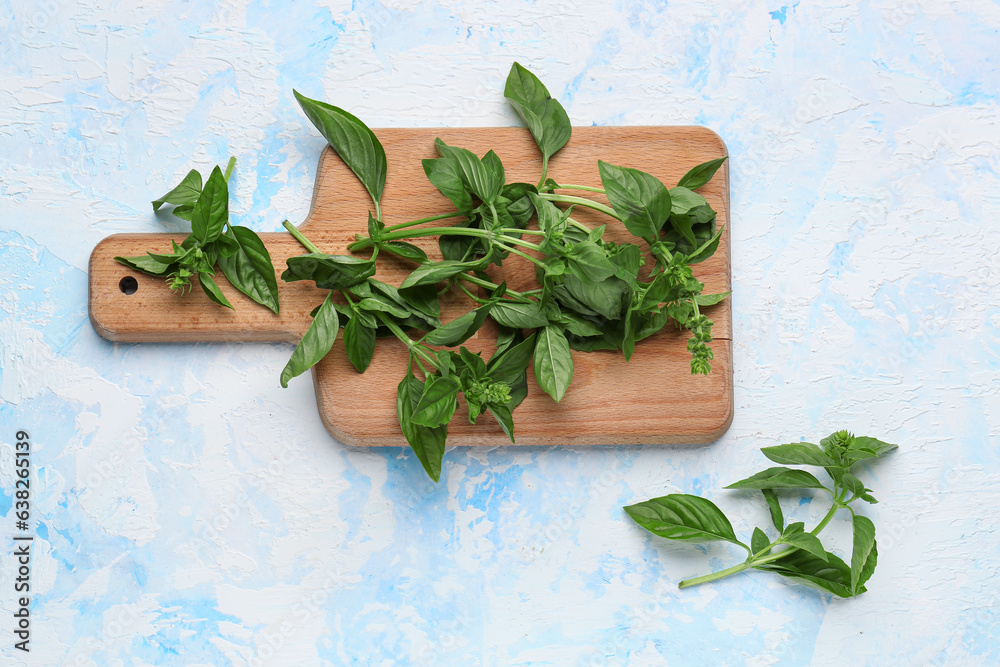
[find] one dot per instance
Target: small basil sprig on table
(237, 250)
(794, 552)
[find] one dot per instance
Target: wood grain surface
(652, 399)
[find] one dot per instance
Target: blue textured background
(190, 512)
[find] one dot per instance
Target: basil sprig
(793, 552)
(237, 250)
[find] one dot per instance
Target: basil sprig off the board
(794, 553)
(237, 250)
(592, 294)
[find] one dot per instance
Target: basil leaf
(510, 365)
(864, 554)
(551, 220)
(435, 272)
(359, 343)
(184, 212)
(779, 478)
(481, 178)
(685, 517)
(520, 207)
(702, 174)
(503, 416)
(357, 145)
(519, 314)
(212, 290)
(710, 299)
(545, 117)
(683, 200)
(805, 541)
(423, 299)
(877, 446)
(639, 198)
(832, 575)
(186, 192)
(437, 403)
(329, 271)
(404, 250)
(446, 175)
(607, 298)
(249, 268)
(553, 362)
(759, 541)
(798, 453)
(777, 518)
(381, 304)
(211, 211)
(590, 262)
(460, 329)
(427, 443)
(578, 325)
(145, 264)
(316, 342)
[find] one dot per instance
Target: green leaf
(873, 444)
(445, 174)
(553, 362)
(607, 298)
(186, 192)
(359, 342)
(683, 517)
(249, 268)
(683, 201)
(865, 553)
(435, 272)
(460, 329)
(545, 117)
(590, 262)
(518, 314)
(329, 271)
(437, 403)
(759, 541)
(510, 364)
(211, 211)
(213, 291)
(777, 518)
(710, 299)
(316, 342)
(404, 250)
(482, 179)
(798, 453)
(357, 145)
(805, 541)
(381, 304)
(551, 220)
(427, 443)
(700, 175)
(639, 198)
(779, 478)
(502, 413)
(145, 264)
(832, 575)
(423, 299)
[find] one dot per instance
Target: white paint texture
(189, 511)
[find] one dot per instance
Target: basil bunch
(237, 250)
(793, 553)
(590, 294)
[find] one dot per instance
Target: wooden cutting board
(652, 399)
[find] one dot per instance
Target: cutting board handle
(129, 306)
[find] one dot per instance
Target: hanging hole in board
(128, 285)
